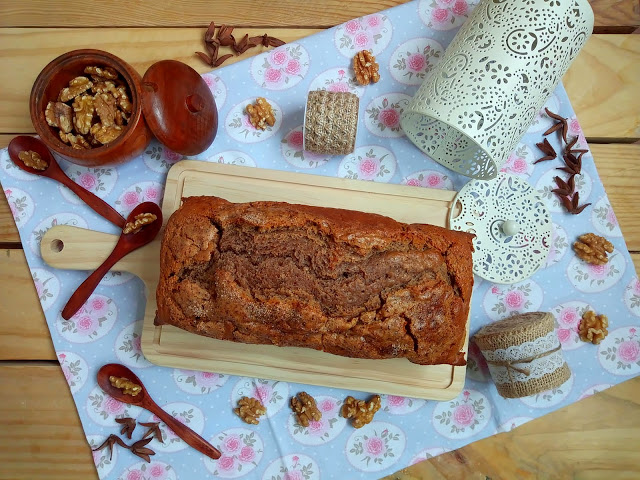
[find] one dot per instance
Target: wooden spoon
(143, 399)
(53, 171)
(127, 243)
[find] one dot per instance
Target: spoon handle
(101, 207)
(190, 437)
(86, 288)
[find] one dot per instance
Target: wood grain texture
(583, 440)
(607, 71)
(620, 16)
(24, 334)
(603, 84)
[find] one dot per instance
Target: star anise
(547, 149)
(153, 431)
(565, 189)
(109, 443)
(128, 426)
(225, 38)
(562, 125)
(571, 205)
(139, 449)
(573, 164)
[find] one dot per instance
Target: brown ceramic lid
(179, 107)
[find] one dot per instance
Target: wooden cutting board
(170, 346)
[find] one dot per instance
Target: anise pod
(153, 431)
(573, 164)
(575, 210)
(225, 36)
(548, 151)
(139, 449)
(275, 42)
(109, 443)
(562, 125)
(209, 34)
(222, 59)
(205, 58)
(563, 187)
(241, 46)
(128, 426)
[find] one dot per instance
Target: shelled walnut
(261, 114)
(127, 386)
(139, 222)
(361, 411)
(365, 67)
(305, 408)
(96, 111)
(33, 160)
(250, 410)
(593, 328)
(593, 248)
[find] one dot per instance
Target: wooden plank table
(40, 433)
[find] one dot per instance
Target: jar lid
(511, 223)
(179, 107)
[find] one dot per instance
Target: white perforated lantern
(495, 76)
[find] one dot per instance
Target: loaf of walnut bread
(344, 282)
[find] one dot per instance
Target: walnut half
(361, 411)
(365, 67)
(33, 160)
(305, 408)
(250, 410)
(139, 222)
(261, 114)
(593, 328)
(593, 248)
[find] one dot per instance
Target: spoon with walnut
(32, 155)
(115, 373)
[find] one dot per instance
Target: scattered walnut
(139, 222)
(127, 386)
(33, 159)
(102, 72)
(58, 115)
(105, 105)
(76, 141)
(249, 410)
(362, 412)
(76, 86)
(261, 114)
(305, 408)
(593, 248)
(365, 67)
(593, 328)
(83, 113)
(105, 134)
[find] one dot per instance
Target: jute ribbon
(525, 371)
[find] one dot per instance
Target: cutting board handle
(74, 248)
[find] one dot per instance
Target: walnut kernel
(33, 160)
(105, 106)
(249, 410)
(102, 72)
(105, 134)
(59, 115)
(127, 386)
(139, 222)
(365, 67)
(76, 141)
(83, 113)
(593, 248)
(76, 86)
(305, 408)
(593, 328)
(261, 114)
(361, 411)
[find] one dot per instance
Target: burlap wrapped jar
(331, 122)
(523, 354)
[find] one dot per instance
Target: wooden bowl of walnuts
(94, 109)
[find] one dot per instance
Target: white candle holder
(495, 76)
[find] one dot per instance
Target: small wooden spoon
(127, 243)
(53, 171)
(143, 399)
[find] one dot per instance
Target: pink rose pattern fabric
(407, 40)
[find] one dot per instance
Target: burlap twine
(331, 122)
(516, 330)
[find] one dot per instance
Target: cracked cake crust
(349, 283)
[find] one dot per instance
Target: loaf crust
(349, 283)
